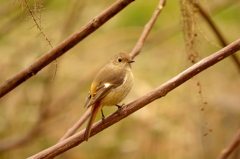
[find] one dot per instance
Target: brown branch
(141, 102)
(232, 146)
(137, 49)
(38, 25)
(77, 125)
(217, 32)
(225, 153)
(63, 47)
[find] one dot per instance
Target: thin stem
(217, 32)
(130, 108)
(136, 50)
(76, 126)
(138, 47)
(63, 47)
(232, 146)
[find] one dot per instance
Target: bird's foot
(103, 116)
(120, 108)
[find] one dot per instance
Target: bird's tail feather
(95, 109)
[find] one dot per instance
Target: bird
(109, 87)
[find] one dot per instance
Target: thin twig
(77, 125)
(232, 146)
(38, 25)
(63, 47)
(137, 49)
(217, 32)
(130, 108)
(40, 28)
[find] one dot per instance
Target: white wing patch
(107, 84)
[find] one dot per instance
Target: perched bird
(110, 86)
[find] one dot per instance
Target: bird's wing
(101, 92)
(100, 88)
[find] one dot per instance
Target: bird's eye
(119, 60)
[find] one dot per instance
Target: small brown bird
(110, 86)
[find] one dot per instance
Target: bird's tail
(95, 109)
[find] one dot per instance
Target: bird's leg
(119, 108)
(103, 116)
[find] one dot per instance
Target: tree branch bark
(130, 108)
(63, 47)
(76, 126)
(232, 146)
(138, 47)
(136, 50)
(217, 32)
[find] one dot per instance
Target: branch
(77, 125)
(130, 108)
(233, 145)
(38, 25)
(63, 47)
(217, 32)
(137, 49)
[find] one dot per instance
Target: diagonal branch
(130, 108)
(217, 32)
(232, 146)
(38, 25)
(63, 47)
(136, 50)
(77, 125)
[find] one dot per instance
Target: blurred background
(196, 120)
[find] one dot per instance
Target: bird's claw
(119, 108)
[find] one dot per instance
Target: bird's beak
(131, 61)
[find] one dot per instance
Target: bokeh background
(196, 120)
